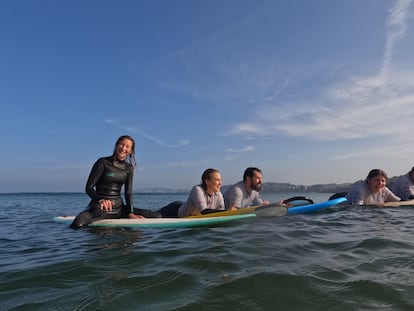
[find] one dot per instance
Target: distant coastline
(268, 187)
(276, 187)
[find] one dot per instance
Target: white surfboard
(158, 222)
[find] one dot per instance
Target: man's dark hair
(249, 172)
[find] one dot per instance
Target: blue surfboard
(310, 208)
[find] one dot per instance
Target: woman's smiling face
(124, 149)
(377, 183)
(213, 182)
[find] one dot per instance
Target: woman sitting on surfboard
(372, 190)
(106, 179)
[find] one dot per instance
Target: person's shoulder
(130, 167)
(360, 183)
(235, 187)
(401, 181)
(239, 185)
(218, 194)
(402, 177)
(197, 188)
(105, 159)
(386, 189)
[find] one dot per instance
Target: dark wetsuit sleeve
(96, 173)
(128, 189)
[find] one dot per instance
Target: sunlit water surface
(342, 258)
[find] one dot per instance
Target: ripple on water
(346, 259)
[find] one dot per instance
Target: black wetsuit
(105, 181)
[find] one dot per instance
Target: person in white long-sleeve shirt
(404, 186)
(205, 197)
(372, 190)
(246, 192)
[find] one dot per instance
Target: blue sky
(309, 91)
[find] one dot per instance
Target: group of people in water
(110, 174)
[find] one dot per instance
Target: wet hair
(131, 157)
(206, 176)
(376, 172)
(249, 172)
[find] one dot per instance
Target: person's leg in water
(94, 213)
(168, 211)
(171, 210)
(85, 217)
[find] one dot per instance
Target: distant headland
(276, 187)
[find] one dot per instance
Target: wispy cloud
(158, 141)
(250, 128)
(178, 164)
(249, 148)
(404, 151)
(371, 105)
(395, 30)
(177, 144)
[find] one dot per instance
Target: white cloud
(111, 121)
(396, 29)
(245, 149)
(361, 107)
(178, 164)
(402, 151)
(158, 141)
(364, 106)
(247, 128)
(177, 144)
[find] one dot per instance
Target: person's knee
(170, 210)
(82, 220)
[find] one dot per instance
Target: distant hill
(272, 187)
(162, 190)
(321, 188)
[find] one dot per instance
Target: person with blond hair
(205, 197)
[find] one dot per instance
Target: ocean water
(342, 258)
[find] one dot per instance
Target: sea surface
(342, 258)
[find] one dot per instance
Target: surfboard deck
(269, 210)
(386, 204)
(275, 209)
(158, 222)
(397, 204)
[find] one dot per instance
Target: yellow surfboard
(273, 209)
